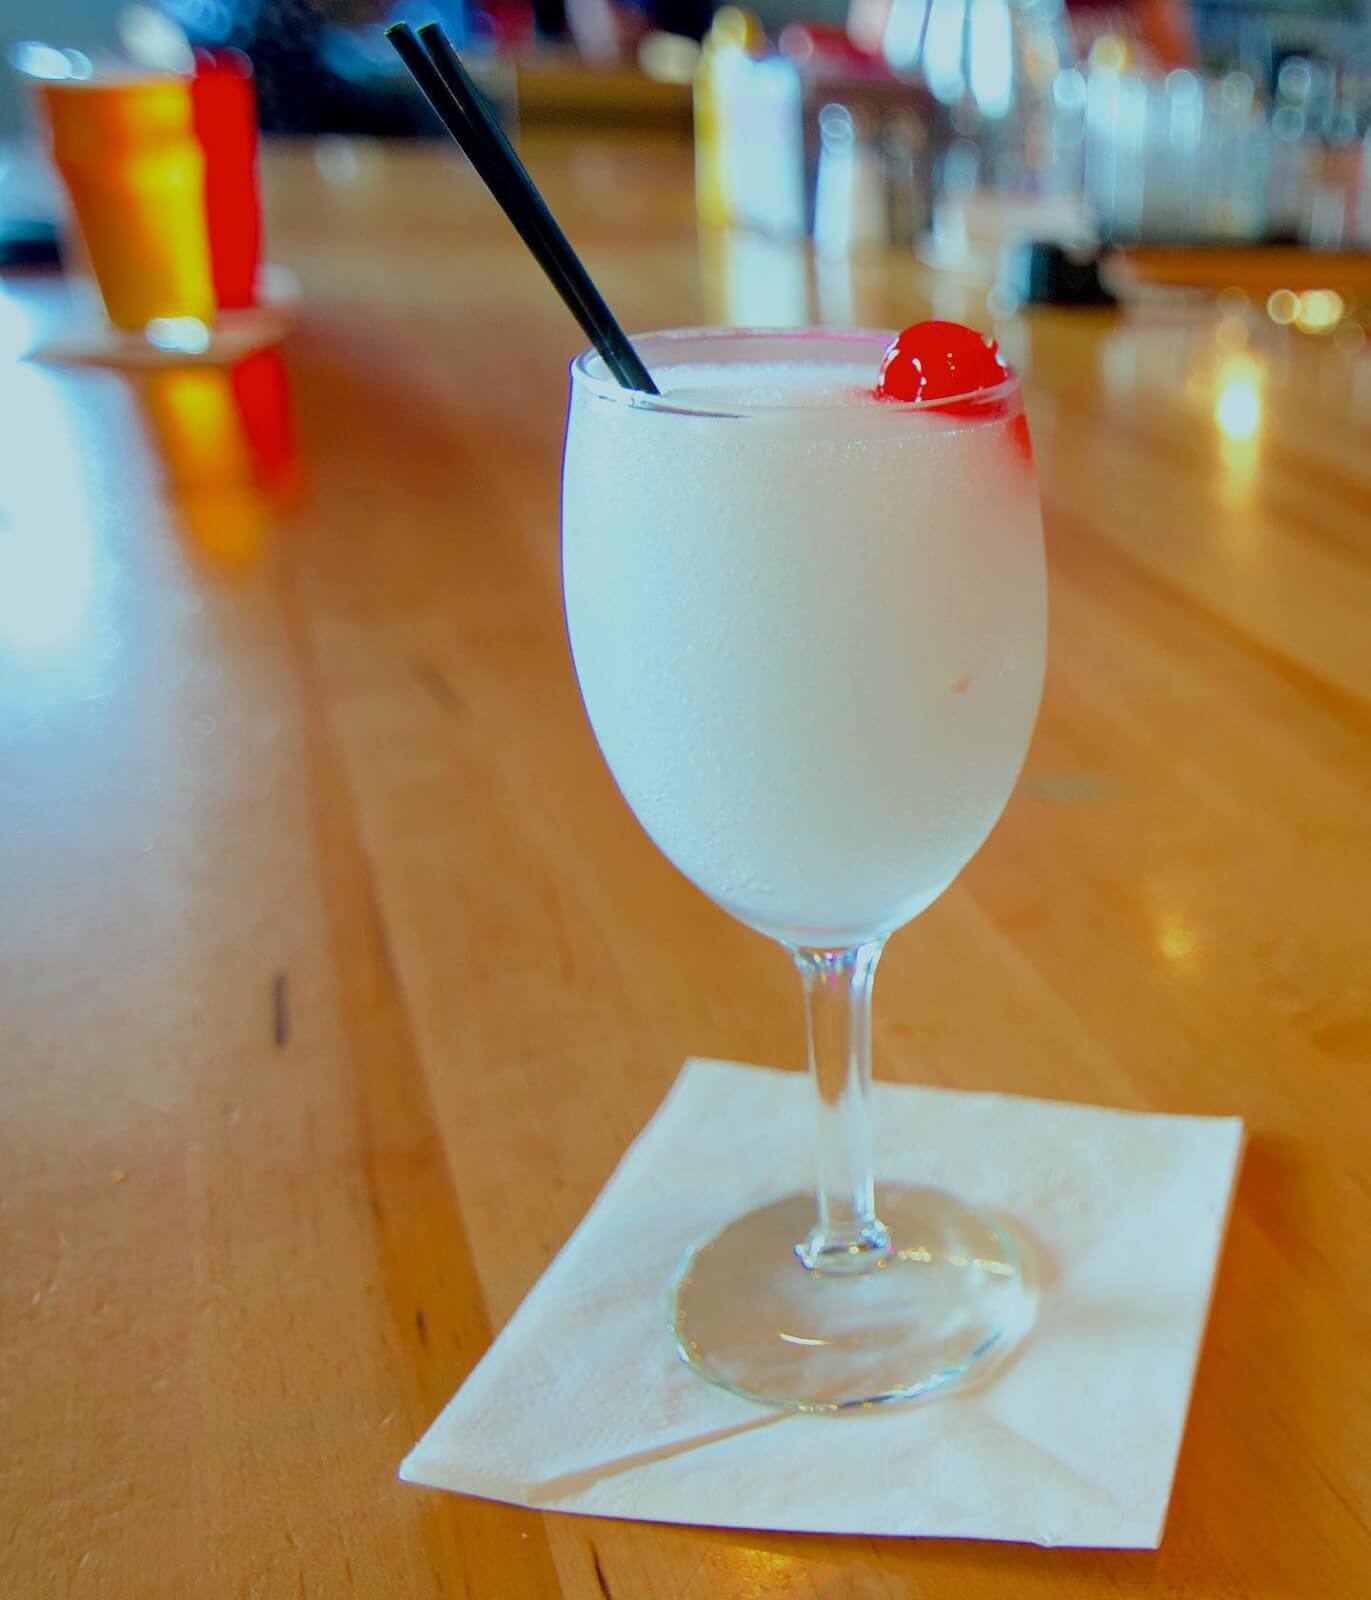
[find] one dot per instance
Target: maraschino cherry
(934, 361)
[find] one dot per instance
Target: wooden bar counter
(337, 977)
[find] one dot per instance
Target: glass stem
(848, 1237)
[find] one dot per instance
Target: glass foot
(747, 1315)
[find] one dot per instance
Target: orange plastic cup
(134, 171)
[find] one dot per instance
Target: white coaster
(582, 1405)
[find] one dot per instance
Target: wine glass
(809, 629)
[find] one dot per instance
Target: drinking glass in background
(225, 112)
(125, 147)
(1187, 158)
(159, 168)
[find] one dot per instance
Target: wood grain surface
(336, 976)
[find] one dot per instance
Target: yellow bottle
(733, 30)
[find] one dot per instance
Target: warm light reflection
(795, 1338)
(1175, 941)
(1239, 401)
(1240, 459)
(1283, 306)
(1319, 311)
(759, 1571)
(1237, 410)
(1238, 396)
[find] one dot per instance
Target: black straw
(448, 87)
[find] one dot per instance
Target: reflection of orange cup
(127, 152)
(225, 425)
(219, 510)
(225, 441)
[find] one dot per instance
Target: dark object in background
(549, 18)
(312, 63)
(689, 18)
(1041, 272)
(31, 243)
(297, 90)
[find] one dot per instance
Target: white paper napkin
(581, 1404)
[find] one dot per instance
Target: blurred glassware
(900, 135)
(226, 126)
(761, 112)
(991, 64)
(124, 143)
(850, 208)
(734, 36)
(1205, 161)
(1188, 159)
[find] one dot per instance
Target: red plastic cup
(225, 110)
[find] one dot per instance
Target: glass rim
(590, 373)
